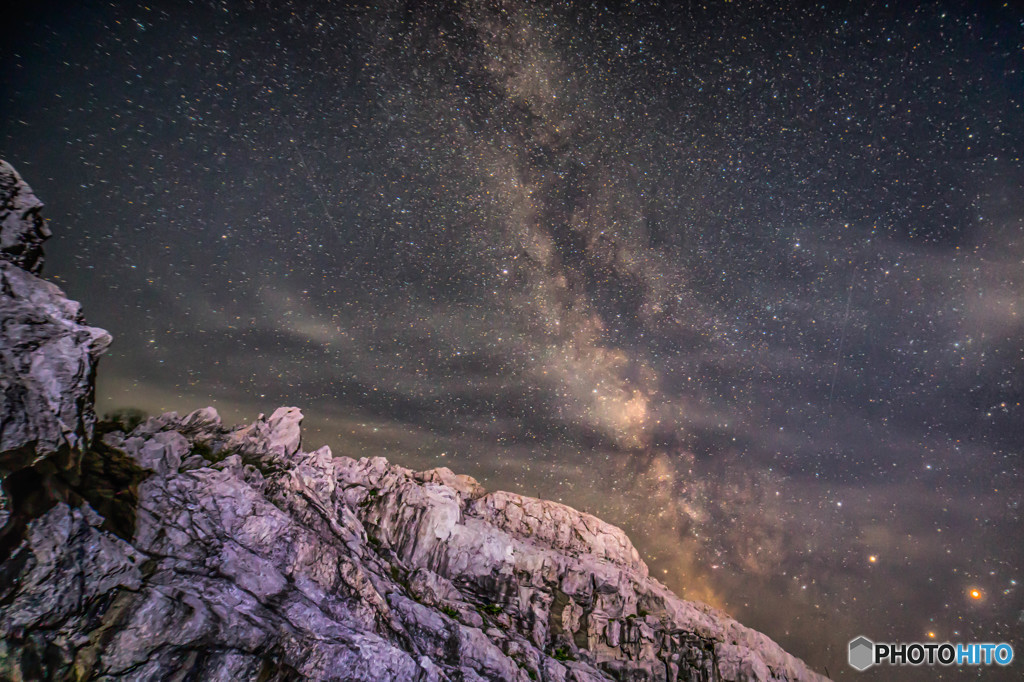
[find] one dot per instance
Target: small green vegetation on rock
(124, 419)
(563, 653)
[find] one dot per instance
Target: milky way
(747, 281)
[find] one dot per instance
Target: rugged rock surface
(47, 354)
(22, 228)
(183, 549)
(253, 559)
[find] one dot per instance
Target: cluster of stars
(744, 280)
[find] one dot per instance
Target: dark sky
(746, 279)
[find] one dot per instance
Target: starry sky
(746, 279)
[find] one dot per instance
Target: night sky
(745, 279)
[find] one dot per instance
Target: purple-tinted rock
(47, 354)
(241, 556)
(22, 228)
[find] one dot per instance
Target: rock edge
(184, 549)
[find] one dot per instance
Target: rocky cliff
(47, 366)
(185, 549)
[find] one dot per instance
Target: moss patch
(563, 653)
(125, 419)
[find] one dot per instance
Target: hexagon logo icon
(862, 653)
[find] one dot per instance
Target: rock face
(253, 559)
(184, 549)
(22, 228)
(47, 368)
(47, 354)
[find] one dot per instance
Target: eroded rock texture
(47, 364)
(22, 228)
(253, 559)
(47, 354)
(186, 550)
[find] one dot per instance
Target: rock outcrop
(185, 549)
(22, 228)
(254, 559)
(47, 361)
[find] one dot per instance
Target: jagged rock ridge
(184, 549)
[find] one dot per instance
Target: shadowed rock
(47, 368)
(47, 354)
(251, 555)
